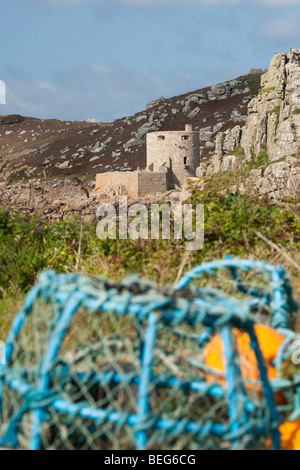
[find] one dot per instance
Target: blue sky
(74, 59)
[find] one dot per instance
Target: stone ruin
(172, 156)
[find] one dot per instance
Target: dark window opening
(185, 160)
(161, 137)
(185, 137)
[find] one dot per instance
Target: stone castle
(172, 156)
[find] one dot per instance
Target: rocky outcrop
(11, 119)
(272, 131)
(273, 116)
(154, 103)
(225, 143)
(227, 89)
(280, 179)
(93, 121)
(66, 198)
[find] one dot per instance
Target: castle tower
(177, 151)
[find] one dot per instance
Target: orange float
(269, 341)
(290, 436)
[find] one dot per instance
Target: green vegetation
(253, 81)
(225, 180)
(29, 246)
(238, 151)
(231, 217)
(268, 90)
(277, 110)
(261, 161)
(297, 111)
(221, 181)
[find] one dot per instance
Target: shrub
(29, 246)
(268, 90)
(277, 110)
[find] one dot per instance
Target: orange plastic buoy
(269, 341)
(290, 436)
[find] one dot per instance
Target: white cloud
(278, 3)
(68, 2)
(147, 3)
(45, 85)
(150, 3)
(281, 28)
(105, 92)
(141, 4)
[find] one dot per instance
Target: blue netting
(93, 364)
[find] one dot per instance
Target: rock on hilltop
(269, 143)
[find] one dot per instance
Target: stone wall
(172, 156)
(127, 180)
(133, 183)
(177, 150)
(151, 182)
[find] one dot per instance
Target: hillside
(48, 169)
(42, 161)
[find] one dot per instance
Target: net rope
(95, 364)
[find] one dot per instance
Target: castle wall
(178, 150)
(152, 182)
(129, 180)
(172, 156)
(134, 183)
